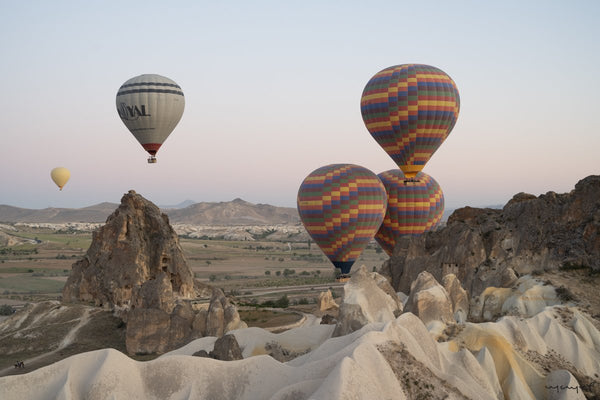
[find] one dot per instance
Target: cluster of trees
(288, 272)
(10, 251)
(282, 302)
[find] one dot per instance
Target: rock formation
(366, 302)
(492, 247)
(542, 357)
(458, 297)
(326, 302)
(552, 352)
(226, 349)
(429, 301)
(136, 266)
(134, 261)
(526, 298)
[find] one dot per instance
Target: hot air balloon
(342, 207)
(409, 110)
(414, 207)
(150, 106)
(60, 176)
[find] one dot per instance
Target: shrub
(565, 294)
(5, 309)
(282, 302)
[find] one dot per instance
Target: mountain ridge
(234, 212)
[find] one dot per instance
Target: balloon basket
(151, 160)
(342, 278)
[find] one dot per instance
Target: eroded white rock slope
(484, 361)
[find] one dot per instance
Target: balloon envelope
(414, 207)
(409, 110)
(342, 207)
(150, 106)
(60, 176)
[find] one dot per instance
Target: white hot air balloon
(150, 106)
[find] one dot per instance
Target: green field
(28, 284)
(241, 268)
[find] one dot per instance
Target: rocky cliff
(492, 247)
(135, 260)
(136, 266)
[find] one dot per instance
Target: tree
(278, 273)
(282, 302)
(267, 272)
(5, 309)
(212, 278)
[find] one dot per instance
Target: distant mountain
(236, 212)
(95, 213)
(183, 204)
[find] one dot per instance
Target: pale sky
(272, 92)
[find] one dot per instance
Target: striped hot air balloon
(342, 207)
(415, 206)
(150, 106)
(409, 110)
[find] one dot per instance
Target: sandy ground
(67, 340)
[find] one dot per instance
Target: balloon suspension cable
(151, 160)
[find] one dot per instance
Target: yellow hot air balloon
(60, 176)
